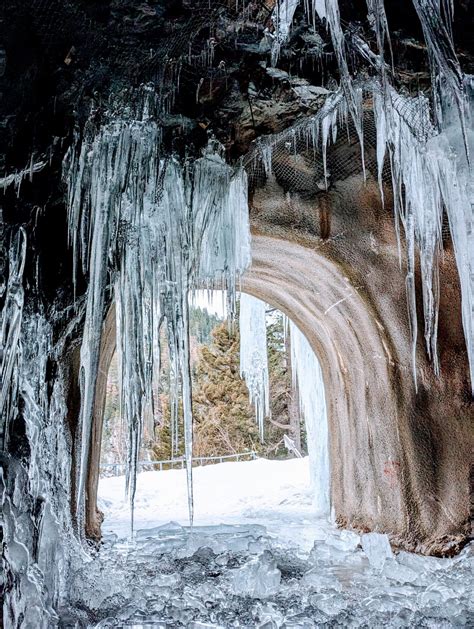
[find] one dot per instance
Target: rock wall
(400, 457)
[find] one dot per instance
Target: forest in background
(224, 419)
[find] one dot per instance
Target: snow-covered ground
(273, 493)
(256, 557)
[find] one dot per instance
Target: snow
(275, 493)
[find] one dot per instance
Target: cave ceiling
(63, 62)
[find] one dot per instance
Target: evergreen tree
(224, 419)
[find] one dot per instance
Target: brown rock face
(399, 457)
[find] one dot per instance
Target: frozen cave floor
(269, 562)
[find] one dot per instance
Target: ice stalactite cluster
(35, 487)
(432, 170)
(253, 356)
(352, 94)
(308, 377)
(157, 228)
(428, 147)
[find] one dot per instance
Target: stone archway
(379, 436)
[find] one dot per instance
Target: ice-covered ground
(257, 557)
(273, 493)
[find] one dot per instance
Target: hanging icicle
(282, 20)
(253, 356)
(158, 229)
(308, 377)
(433, 171)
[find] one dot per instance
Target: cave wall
(400, 456)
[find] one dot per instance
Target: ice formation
(429, 150)
(11, 325)
(253, 355)
(258, 578)
(159, 228)
(282, 18)
(377, 548)
(433, 170)
(260, 573)
(307, 375)
(35, 491)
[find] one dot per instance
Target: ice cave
(237, 313)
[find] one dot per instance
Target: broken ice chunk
(258, 578)
(330, 604)
(397, 571)
(343, 540)
(318, 581)
(377, 548)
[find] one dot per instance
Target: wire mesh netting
(186, 54)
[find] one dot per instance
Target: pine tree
(224, 419)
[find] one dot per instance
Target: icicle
(307, 375)
(266, 150)
(434, 173)
(159, 230)
(17, 178)
(353, 97)
(253, 356)
(378, 16)
(456, 181)
(443, 58)
(282, 19)
(381, 129)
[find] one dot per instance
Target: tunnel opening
(235, 364)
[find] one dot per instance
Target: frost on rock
(157, 228)
(307, 375)
(253, 355)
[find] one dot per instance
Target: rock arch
(396, 465)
